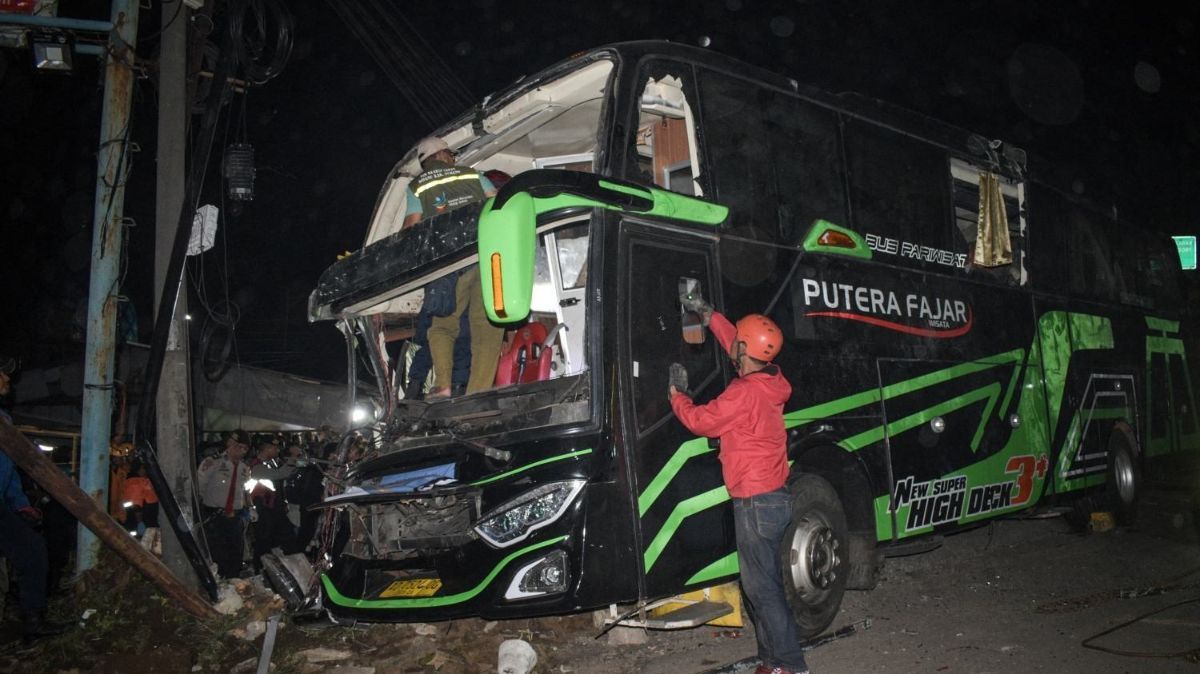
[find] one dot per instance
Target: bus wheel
(1124, 478)
(814, 554)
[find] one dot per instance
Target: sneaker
(763, 669)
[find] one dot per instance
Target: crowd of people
(261, 492)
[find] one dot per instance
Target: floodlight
(52, 51)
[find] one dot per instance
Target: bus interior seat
(526, 357)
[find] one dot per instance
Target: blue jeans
(26, 549)
(760, 522)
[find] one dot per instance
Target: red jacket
(748, 417)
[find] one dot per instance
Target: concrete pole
(174, 401)
(107, 239)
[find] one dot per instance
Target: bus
(965, 340)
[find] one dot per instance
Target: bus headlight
(543, 576)
(536, 508)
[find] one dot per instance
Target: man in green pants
(442, 187)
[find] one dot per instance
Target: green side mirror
(507, 246)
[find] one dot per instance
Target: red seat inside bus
(525, 357)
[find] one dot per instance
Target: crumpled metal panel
(380, 268)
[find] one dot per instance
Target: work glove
(678, 378)
(695, 302)
(31, 515)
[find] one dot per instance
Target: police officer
(223, 498)
(442, 187)
(19, 542)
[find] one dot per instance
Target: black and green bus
(936, 383)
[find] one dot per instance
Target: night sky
(1105, 92)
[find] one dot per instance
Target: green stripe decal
(685, 509)
(432, 602)
(689, 449)
(723, 567)
(990, 393)
(535, 464)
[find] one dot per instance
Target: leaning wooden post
(66, 492)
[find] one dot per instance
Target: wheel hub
(1123, 476)
(813, 558)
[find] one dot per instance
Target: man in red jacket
(748, 418)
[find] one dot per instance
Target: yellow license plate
(412, 587)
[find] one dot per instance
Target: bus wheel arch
(844, 472)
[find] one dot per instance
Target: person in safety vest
(748, 418)
(141, 506)
(442, 187)
(19, 542)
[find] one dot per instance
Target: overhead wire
(419, 63)
(459, 96)
(417, 70)
(375, 47)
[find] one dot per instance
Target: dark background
(1106, 93)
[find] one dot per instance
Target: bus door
(685, 525)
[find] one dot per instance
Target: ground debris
(424, 629)
(316, 655)
(229, 600)
(250, 631)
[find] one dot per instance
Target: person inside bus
(440, 188)
(748, 418)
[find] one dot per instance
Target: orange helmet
(762, 337)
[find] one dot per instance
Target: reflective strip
(443, 181)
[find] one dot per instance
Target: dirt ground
(1013, 596)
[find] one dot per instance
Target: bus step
(913, 546)
(692, 615)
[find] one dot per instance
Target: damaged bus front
(512, 501)
(503, 503)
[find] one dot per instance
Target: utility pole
(107, 241)
(174, 401)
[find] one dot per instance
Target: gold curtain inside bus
(993, 248)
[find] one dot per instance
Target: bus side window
(1091, 255)
(898, 193)
(964, 178)
(773, 158)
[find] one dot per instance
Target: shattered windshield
(536, 378)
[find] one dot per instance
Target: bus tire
(1124, 478)
(814, 555)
